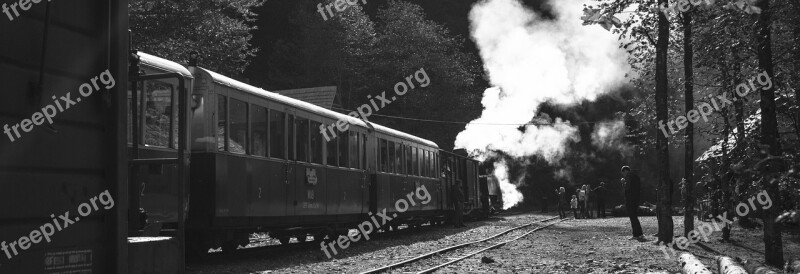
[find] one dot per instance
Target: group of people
(582, 201)
(585, 195)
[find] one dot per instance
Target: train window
(258, 130)
(158, 115)
(332, 146)
(421, 161)
(316, 144)
(398, 158)
(430, 164)
(409, 160)
(414, 162)
(277, 123)
(343, 149)
(290, 137)
(364, 151)
(436, 165)
(354, 149)
(425, 163)
(238, 128)
(222, 120)
(383, 156)
(302, 140)
(392, 156)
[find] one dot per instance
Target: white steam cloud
(610, 135)
(531, 60)
(511, 195)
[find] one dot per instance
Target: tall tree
(217, 29)
(688, 68)
(665, 224)
(773, 246)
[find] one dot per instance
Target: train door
(158, 159)
(308, 196)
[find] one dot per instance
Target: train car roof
(227, 81)
(164, 64)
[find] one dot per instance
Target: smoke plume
(511, 196)
(531, 60)
(610, 135)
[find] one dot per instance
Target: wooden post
(729, 266)
(691, 265)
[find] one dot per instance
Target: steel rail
(432, 269)
(446, 249)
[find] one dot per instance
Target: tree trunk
(665, 224)
(725, 167)
(738, 104)
(688, 68)
(729, 266)
(756, 268)
(773, 247)
(728, 83)
(690, 264)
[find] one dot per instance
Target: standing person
(562, 202)
(582, 201)
(458, 199)
(599, 195)
(632, 184)
(587, 201)
(574, 205)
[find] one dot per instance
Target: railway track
(260, 247)
(430, 262)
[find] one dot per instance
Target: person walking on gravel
(599, 198)
(587, 201)
(574, 206)
(562, 202)
(582, 201)
(632, 184)
(458, 199)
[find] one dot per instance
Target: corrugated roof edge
(164, 64)
(227, 81)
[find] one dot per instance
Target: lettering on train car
(75, 261)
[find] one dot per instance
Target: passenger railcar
(260, 163)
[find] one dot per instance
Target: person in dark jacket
(632, 185)
(562, 202)
(600, 198)
(458, 200)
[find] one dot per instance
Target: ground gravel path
(574, 246)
